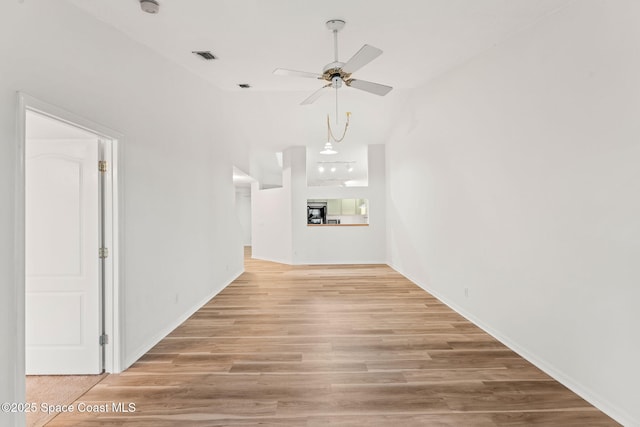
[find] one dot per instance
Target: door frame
(113, 298)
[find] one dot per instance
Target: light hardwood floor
(356, 345)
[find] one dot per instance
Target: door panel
(55, 228)
(63, 307)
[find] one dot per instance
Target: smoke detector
(150, 6)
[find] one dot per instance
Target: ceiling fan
(337, 73)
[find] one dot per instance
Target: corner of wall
(143, 348)
(546, 366)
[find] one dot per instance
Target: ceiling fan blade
(294, 73)
(375, 88)
(315, 95)
(362, 57)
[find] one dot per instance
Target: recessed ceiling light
(321, 168)
(244, 85)
(333, 169)
(204, 54)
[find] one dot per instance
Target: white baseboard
(587, 394)
(149, 344)
(340, 262)
(277, 260)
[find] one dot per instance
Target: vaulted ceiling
(421, 40)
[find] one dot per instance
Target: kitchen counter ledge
(337, 225)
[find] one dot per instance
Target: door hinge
(104, 339)
(102, 166)
(103, 252)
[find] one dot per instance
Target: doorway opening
(68, 304)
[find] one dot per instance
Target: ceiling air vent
(205, 54)
(244, 85)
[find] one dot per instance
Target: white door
(63, 295)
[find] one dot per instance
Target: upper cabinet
(334, 207)
(348, 206)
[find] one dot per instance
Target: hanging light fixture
(328, 149)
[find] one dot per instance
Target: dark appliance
(316, 214)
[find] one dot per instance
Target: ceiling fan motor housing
(332, 70)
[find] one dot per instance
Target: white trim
(278, 260)
(20, 387)
(112, 361)
(113, 302)
(151, 342)
(587, 394)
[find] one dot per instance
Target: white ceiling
(421, 39)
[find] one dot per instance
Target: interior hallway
(331, 345)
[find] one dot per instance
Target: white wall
(280, 231)
(271, 219)
(243, 211)
(517, 176)
(271, 224)
(341, 245)
(180, 243)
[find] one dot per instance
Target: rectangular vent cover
(204, 54)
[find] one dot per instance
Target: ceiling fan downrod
(335, 25)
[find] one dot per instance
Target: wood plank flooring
(356, 345)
